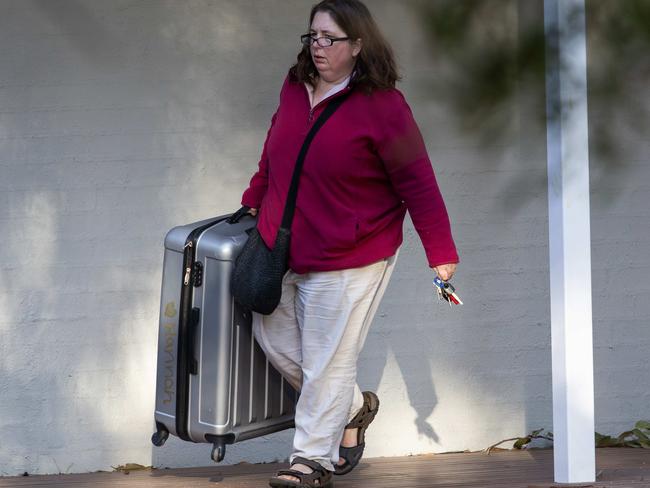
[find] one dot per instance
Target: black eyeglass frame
(308, 40)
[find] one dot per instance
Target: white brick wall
(119, 120)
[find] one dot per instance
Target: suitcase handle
(235, 217)
(193, 364)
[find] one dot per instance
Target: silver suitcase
(214, 383)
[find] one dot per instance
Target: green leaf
(633, 443)
(521, 442)
(639, 433)
(642, 424)
(624, 435)
(606, 441)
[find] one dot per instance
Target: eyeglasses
(309, 40)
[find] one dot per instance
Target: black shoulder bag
(256, 281)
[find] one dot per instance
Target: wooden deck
(503, 469)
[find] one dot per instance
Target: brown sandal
(352, 455)
(319, 478)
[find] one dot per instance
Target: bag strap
(290, 206)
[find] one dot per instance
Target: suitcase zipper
(186, 363)
(188, 270)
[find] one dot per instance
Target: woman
(365, 168)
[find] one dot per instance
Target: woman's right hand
(252, 211)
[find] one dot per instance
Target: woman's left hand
(445, 271)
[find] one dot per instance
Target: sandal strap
(360, 418)
(352, 455)
(291, 472)
(361, 421)
(316, 466)
(366, 414)
(319, 477)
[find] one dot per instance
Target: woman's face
(335, 61)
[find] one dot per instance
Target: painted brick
(117, 124)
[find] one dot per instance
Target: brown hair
(375, 67)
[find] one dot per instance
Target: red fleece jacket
(366, 166)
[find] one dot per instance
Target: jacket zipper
(311, 111)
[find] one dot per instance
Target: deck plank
(620, 468)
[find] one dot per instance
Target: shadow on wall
(120, 122)
(140, 117)
(74, 294)
(480, 70)
(51, 325)
(124, 119)
(490, 359)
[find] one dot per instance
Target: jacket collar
(343, 86)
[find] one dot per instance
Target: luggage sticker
(170, 356)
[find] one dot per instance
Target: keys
(446, 291)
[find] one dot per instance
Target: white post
(569, 241)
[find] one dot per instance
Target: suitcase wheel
(159, 437)
(218, 452)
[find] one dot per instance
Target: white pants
(313, 339)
